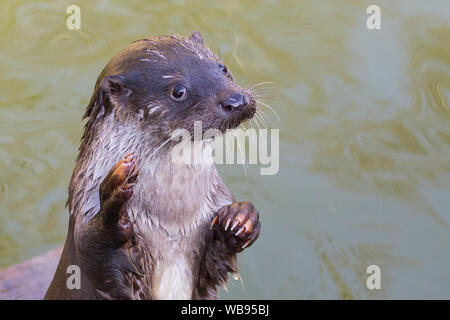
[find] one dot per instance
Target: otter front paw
(241, 224)
(115, 190)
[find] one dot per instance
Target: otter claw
(243, 219)
(228, 224)
(128, 186)
(240, 231)
(214, 221)
(246, 244)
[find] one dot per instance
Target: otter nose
(234, 102)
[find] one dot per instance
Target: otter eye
(179, 93)
(223, 68)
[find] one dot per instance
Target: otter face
(170, 82)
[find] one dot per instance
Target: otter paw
(241, 224)
(117, 187)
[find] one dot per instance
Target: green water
(364, 133)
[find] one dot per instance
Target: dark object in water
(30, 279)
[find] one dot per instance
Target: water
(365, 135)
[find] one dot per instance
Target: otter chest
(172, 274)
(175, 258)
(172, 212)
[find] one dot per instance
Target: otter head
(162, 84)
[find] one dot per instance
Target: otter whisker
(257, 92)
(261, 84)
(260, 120)
(257, 123)
(269, 107)
(159, 148)
(263, 123)
(246, 164)
(260, 94)
(243, 126)
(242, 154)
(259, 110)
(251, 124)
(271, 98)
(260, 116)
(263, 115)
(258, 97)
(262, 89)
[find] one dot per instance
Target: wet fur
(172, 205)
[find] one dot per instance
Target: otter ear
(197, 37)
(113, 93)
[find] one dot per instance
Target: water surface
(364, 127)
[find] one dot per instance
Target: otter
(142, 226)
